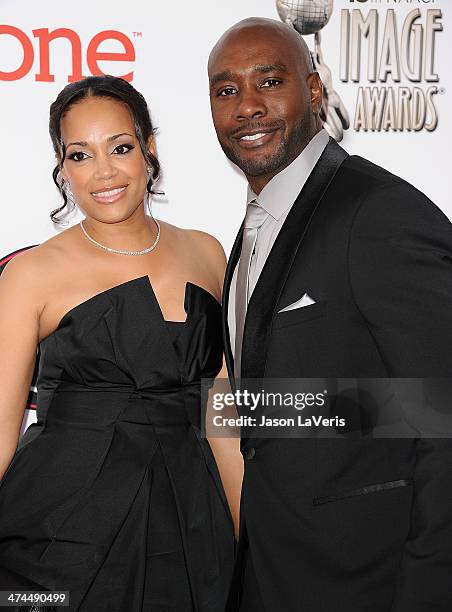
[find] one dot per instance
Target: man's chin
(257, 163)
(259, 167)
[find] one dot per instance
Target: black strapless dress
(113, 495)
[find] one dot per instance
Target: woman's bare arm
(19, 332)
(225, 449)
(230, 465)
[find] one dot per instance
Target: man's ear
(316, 87)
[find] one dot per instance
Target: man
(364, 261)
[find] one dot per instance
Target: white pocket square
(306, 300)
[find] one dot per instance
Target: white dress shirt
(276, 198)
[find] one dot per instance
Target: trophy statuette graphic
(309, 17)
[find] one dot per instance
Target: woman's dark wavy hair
(100, 86)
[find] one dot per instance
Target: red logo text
(45, 37)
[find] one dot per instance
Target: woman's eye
(123, 148)
(271, 83)
(78, 156)
(227, 91)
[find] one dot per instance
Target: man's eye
(122, 149)
(227, 91)
(271, 83)
(78, 156)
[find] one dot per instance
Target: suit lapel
(233, 261)
(265, 297)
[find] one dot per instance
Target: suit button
(250, 453)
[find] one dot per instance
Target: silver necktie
(255, 217)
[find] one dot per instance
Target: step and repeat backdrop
(385, 65)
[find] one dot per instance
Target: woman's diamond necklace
(119, 251)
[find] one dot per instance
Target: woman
(113, 495)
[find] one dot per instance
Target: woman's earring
(69, 193)
(148, 195)
(66, 187)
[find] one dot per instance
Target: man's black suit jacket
(376, 255)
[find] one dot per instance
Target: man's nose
(251, 105)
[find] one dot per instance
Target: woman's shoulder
(38, 261)
(207, 241)
(204, 249)
(21, 284)
(201, 241)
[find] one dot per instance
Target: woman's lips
(109, 195)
